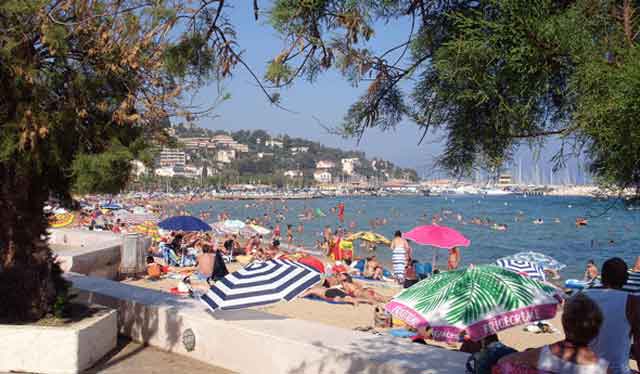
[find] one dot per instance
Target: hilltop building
(349, 165)
(274, 143)
(225, 156)
(293, 174)
(325, 164)
(322, 176)
(296, 150)
(172, 157)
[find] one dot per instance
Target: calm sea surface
(612, 229)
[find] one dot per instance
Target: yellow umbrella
(369, 236)
(61, 220)
(148, 228)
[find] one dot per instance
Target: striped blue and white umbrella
(529, 269)
(546, 262)
(261, 283)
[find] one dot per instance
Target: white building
(325, 164)
(349, 164)
(296, 150)
(262, 155)
(240, 148)
(172, 157)
(273, 143)
(223, 140)
(322, 176)
(166, 171)
(138, 168)
(225, 155)
(293, 174)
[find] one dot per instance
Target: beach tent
(261, 283)
(479, 300)
(184, 223)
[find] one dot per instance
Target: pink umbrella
(437, 236)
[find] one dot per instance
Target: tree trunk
(28, 276)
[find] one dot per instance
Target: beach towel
(316, 298)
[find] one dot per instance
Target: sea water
(612, 229)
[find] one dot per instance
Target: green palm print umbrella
(480, 300)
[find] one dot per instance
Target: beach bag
(483, 361)
(381, 318)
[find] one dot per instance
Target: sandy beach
(351, 317)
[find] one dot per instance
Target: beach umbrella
(368, 236)
(544, 261)
(480, 301)
(261, 283)
(261, 230)
(61, 220)
(313, 262)
(232, 225)
(148, 228)
(184, 223)
(134, 218)
(528, 269)
(437, 236)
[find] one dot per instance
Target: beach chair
(423, 270)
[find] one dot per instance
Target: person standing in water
(400, 256)
(341, 212)
(454, 259)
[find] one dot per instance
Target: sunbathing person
(331, 295)
(372, 269)
(361, 293)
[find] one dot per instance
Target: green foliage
(106, 172)
(491, 75)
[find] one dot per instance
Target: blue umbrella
(184, 223)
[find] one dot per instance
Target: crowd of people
(601, 333)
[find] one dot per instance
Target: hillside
(270, 155)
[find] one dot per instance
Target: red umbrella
(313, 262)
(437, 236)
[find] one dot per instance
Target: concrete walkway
(129, 357)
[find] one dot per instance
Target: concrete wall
(249, 341)
(66, 349)
(94, 253)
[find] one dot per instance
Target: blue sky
(325, 101)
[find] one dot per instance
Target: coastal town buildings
(349, 165)
(296, 150)
(293, 174)
(172, 157)
(225, 156)
(325, 164)
(274, 143)
(322, 176)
